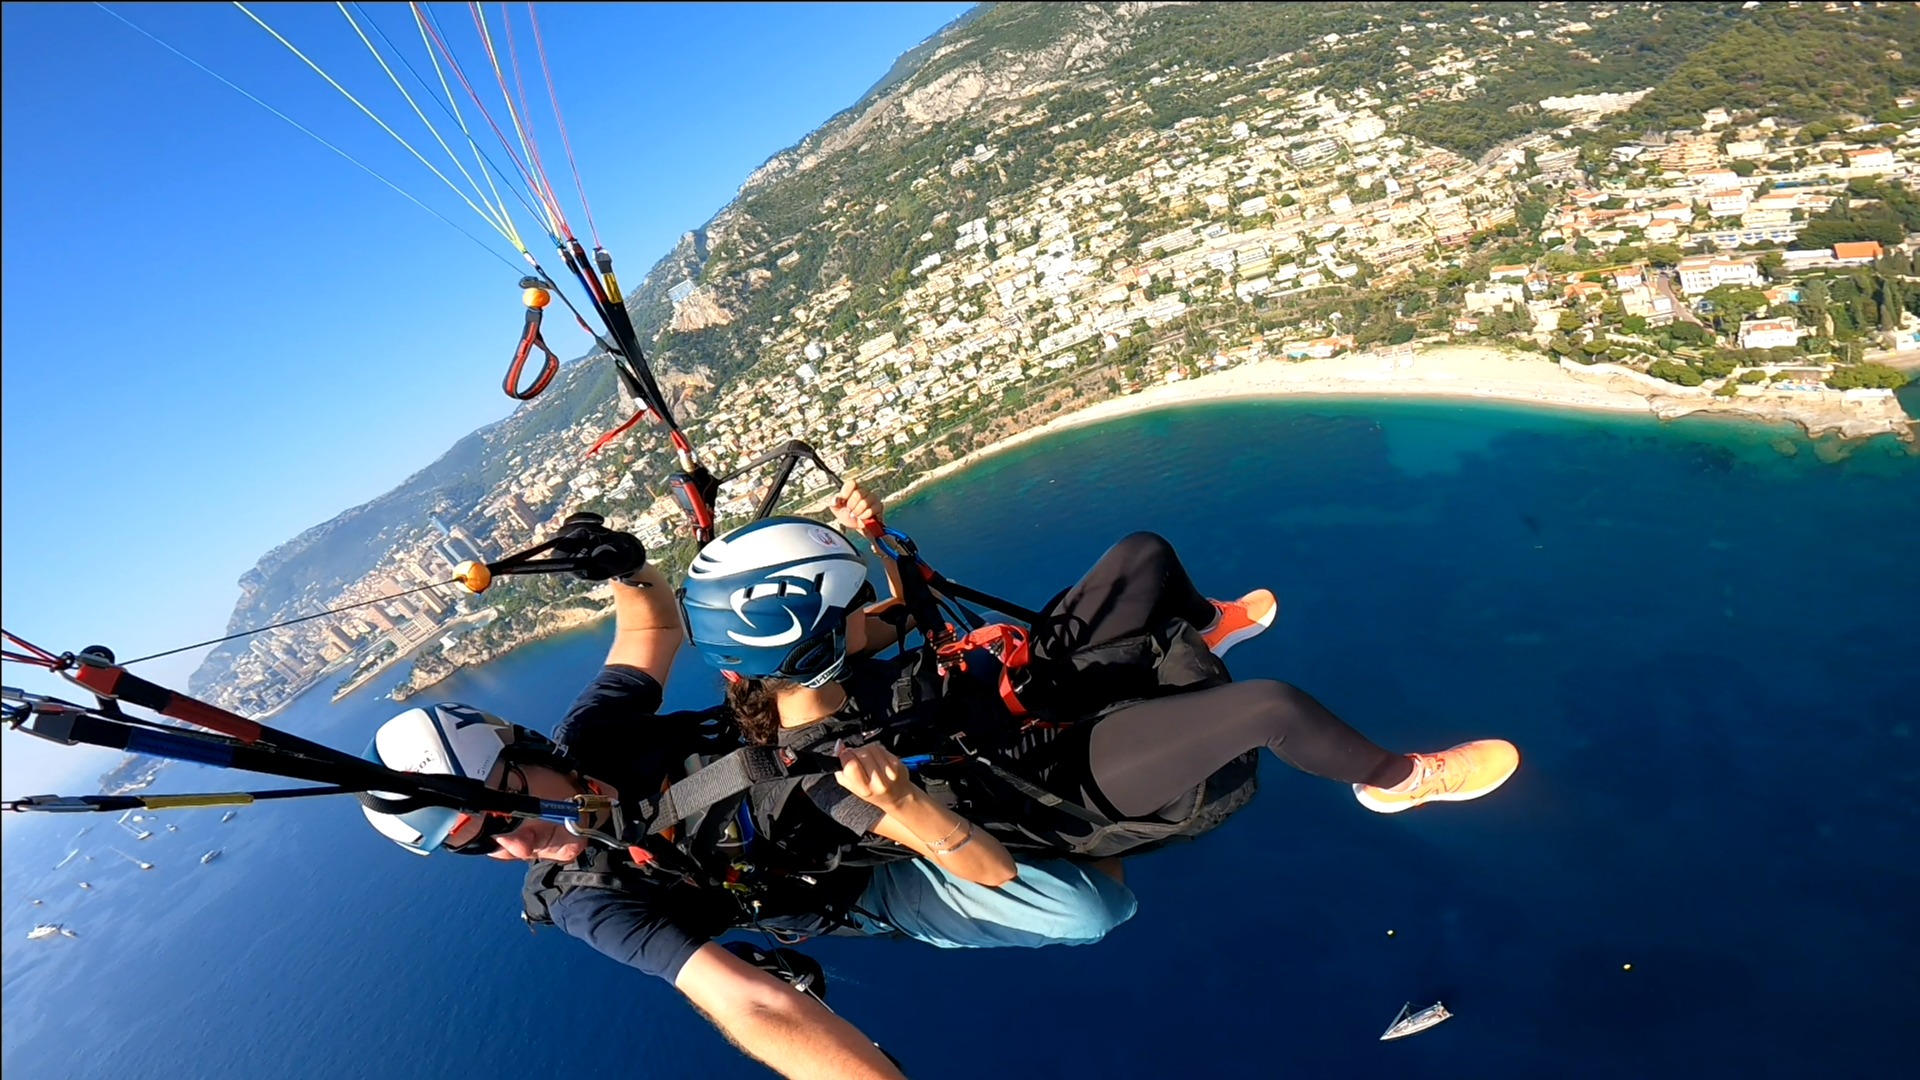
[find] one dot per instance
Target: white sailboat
(228, 816)
(1413, 1023)
(210, 856)
(45, 930)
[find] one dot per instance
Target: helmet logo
(826, 539)
(784, 637)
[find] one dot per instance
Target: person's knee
(1143, 549)
(1269, 703)
(1268, 694)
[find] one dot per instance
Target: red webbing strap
(1007, 642)
(530, 339)
(118, 683)
(603, 440)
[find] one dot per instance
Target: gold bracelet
(964, 841)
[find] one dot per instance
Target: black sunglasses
(494, 825)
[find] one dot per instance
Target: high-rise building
(460, 536)
(337, 638)
(416, 565)
(516, 512)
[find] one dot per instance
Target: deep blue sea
(1704, 637)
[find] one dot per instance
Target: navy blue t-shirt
(616, 734)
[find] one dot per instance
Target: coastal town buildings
(1177, 248)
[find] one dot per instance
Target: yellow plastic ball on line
(536, 297)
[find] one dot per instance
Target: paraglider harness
(959, 706)
(973, 714)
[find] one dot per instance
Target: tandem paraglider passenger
(1108, 726)
(659, 903)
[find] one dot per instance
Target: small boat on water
(210, 856)
(44, 930)
(86, 884)
(1413, 1023)
(65, 932)
(141, 863)
(173, 828)
(229, 815)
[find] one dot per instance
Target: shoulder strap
(547, 882)
(722, 779)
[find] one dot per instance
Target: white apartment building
(1768, 334)
(1699, 273)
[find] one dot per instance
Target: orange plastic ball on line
(536, 298)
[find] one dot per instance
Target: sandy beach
(1474, 372)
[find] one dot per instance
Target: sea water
(1701, 635)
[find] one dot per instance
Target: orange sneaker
(1467, 771)
(1240, 619)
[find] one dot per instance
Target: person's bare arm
(912, 819)
(776, 1025)
(856, 509)
(646, 625)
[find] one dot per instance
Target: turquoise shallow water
(1701, 635)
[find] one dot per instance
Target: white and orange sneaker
(1467, 771)
(1240, 619)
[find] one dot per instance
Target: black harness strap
(722, 779)
(1039, 794)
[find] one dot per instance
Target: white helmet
(771, 600)
(443, 740)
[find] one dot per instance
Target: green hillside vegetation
(1799, 61)
(823, 247)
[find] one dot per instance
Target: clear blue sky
(218, 333)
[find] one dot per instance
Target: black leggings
(1144, 757)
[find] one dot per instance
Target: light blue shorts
(1052, 902)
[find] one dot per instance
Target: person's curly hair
(753, 703)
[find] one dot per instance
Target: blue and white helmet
(443, 740)
(770, 600)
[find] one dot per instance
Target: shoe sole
(1251, 630)
(1360, 793)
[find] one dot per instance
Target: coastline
(1455, 371)
(1465, 372)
